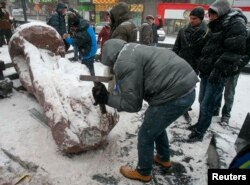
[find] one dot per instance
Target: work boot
(187, 117)
(195, 136)
(224, 121)
(134, 174)
(164, 164)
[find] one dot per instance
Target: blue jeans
(153, 130)
(207, 98)
(229, 93)
(90, 65)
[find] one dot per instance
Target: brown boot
(134, 174)
(165, 164)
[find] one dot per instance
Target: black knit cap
(198, 12)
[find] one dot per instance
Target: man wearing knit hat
(198, 12)
(221, 58)
(190, 41)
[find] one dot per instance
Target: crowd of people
(212, 53)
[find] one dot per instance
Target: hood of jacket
(111, 49)
(83, 25)
(119, 13)
(221, 7)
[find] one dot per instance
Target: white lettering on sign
(216, 176)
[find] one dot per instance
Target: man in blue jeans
(229, 92)
(158, 76)
(220, 59)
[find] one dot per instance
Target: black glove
(100, 93)
(214, 77)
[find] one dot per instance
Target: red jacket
(103, 36)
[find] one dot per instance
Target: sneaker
(134, 174)
(164, 164)
(187, 117)
(195, 136)
(73, 59)
(225, 119)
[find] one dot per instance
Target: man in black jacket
(57, 21)
(222, 56)
(190, 41)
(229, 92)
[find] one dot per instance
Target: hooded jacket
(226, 47)
(156, 75)
(57, 20)
(85, 39)
(122, 27)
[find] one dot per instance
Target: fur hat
(198, 12)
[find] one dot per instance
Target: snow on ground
(31, 140)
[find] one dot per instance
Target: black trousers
(5, 35)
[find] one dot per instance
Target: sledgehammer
(97, 79)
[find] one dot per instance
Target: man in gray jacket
(158, 76)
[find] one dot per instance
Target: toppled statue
(37, 52)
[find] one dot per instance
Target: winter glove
(214, 77)
(243, 61)
(100, 93)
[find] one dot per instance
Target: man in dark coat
(192, 37)
(121, 27)
(57, 21)
(221, 57)
(155, 27)
(229, 92)
(157, 76)
(190, 41)
(146, 32)
(5, 24)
